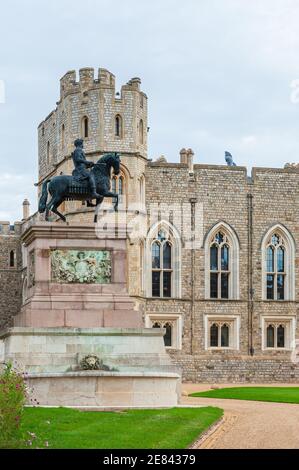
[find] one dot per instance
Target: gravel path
(249, 424)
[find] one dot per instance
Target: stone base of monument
(139, 371)
(106, 389)
(76, 305)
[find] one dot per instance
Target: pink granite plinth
(51, 304)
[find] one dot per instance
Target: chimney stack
(186, 157)
(183, 156)
(26, 209)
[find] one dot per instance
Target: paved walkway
(249, 424)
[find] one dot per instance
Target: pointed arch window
(62, 137)
(118, 184)
(222, 263)
(275, 268)
(220, 335)
(276, 336)
(278, 265)
(168, 336)
(12, 259)
(214, 329)
(85, 127)
(118, 129)
(141, 131)
(48, 152)
(162, 261)
(219, 267)
(161, 266)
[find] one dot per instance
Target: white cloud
(249, 140)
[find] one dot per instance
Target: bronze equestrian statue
(83, 185)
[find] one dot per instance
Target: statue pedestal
(63, 287)
(76, 304)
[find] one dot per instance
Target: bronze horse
(65, 187)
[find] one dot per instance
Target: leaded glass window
(219, 267)
(85, 127)
(276, 335)
(118, 126)
(161, 266)
(275, 263)
(118, 185)
(214, 335)
(168, 339)
(220, 334)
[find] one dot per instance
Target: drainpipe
(193, 202)
(250, 274)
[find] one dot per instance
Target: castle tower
(108, 121)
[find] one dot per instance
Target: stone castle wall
(196, 369)
(224, 193)
(10, 276)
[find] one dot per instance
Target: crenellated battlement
(89, 108)
(87, 80)
(7, 229)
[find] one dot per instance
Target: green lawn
(275, 394)
(174, 428)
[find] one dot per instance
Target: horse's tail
(44, 196)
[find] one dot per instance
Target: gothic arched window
(219, 267)
(162, 261)
(280, 336)
(12, 259)
(85, 127)
(118, 126)
(168, 336)
(275, 336)
(161, 266)
(48, 152)
(222, 263)
(225, 336)
(270, 336)
(141, 131)
(278, 265)
(62, 136)
(220, 334)
(118, 184)
(214, 335)
(275, 268)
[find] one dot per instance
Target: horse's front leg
(115, 196)
(55, 204)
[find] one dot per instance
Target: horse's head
(111, 160)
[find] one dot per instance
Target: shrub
(13, 394)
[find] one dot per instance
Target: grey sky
(217, 74)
